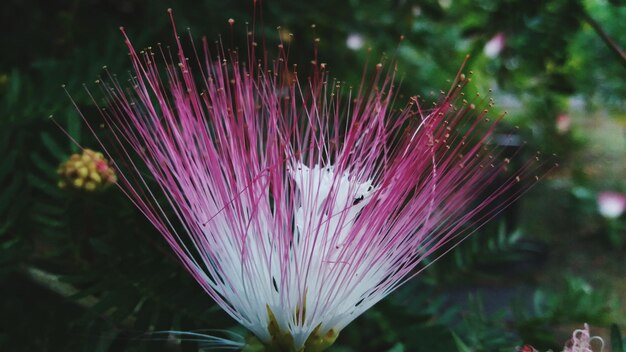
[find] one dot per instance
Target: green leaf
(45, 186)
(59, 152)
(8, 197)
(462, 347)
(13, 90)
(617, 344)
(7, 164)
(101, 246)
(398, 347)
(106, 340)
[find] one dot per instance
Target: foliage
(485, 257)
(617, 342)
(482, 331)
(577, 301)
(413, 319)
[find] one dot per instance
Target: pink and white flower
(611, 205)
(495, 45)
(581, 341)
(299, 204)
(355, 41)
(563, 123)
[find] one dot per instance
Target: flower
(89, 171)
(355, 41)
(581, 341)
(563, 124)
(495, 45)
(299, 204)
(611, 205)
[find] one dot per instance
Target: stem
(53, 283)
(615, 48)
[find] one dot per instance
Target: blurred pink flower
(355, 41)
(563, 123)
(495, 45)
(611, 205)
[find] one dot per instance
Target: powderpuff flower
(581, 341)
(611, 205)
(355, 41)
(495, 45)
(563, 123)
(299, 204)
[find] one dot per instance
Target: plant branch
(53, 283)
(615, 48)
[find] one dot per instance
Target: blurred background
(82, 270)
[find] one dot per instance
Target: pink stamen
(285, 193)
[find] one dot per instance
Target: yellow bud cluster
(88, 171)
(4, 80)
